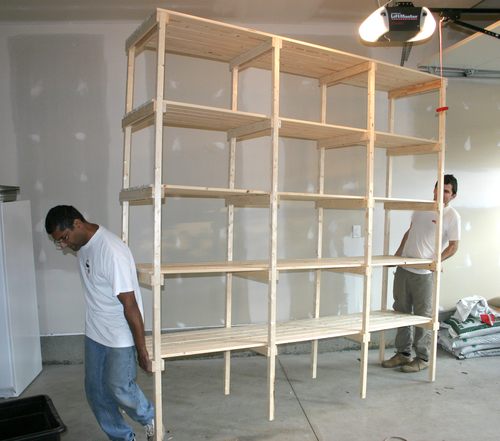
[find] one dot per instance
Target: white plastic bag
(473, 305)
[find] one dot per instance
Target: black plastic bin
(30, 418)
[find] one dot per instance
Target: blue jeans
(110, 385)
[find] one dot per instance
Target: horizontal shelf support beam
(431, 326)
(251, 54)
(249, 131)
(343, 141)
(144, 32)
(416, 89)
(256, 276)
(426, 266)
(147, 279)
(237, 197)
(414, 150)
(357, 338)
(256, 201)
(350, 72)
(410, 205)
(259, 270)
(263, 350)
(144, 279)
(360, 270)
(136, 194)
(140, 114)
(343, 204)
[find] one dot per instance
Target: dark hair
(451, 180)
(61, 217)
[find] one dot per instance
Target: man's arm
(136, 324)
(450, 250)
(399, 251)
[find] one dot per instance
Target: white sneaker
(150, 430)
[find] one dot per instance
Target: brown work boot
(416, 365)
(397, 360)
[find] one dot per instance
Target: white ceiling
(242, 11)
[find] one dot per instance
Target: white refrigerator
(20, 354)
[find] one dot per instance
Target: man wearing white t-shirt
(412, 289)
(114, 326)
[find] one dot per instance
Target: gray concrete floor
(462, 404)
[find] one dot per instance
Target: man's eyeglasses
(62, 240)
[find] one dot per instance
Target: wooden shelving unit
(240, 48)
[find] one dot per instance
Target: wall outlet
(356, 231)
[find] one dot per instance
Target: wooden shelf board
(211, 118)
(145, 192)
(191, 116)
(309, 130)
(391, 140)
(314, 264)
(203, 38)
(246, 197)
(315, 329)
(208, 192)
(175, 269)
(383, 320)
(317, 197)
(401, 261)
(313, 61)
(186, 343)
(211, 340)
(407, 204)
(251, 266)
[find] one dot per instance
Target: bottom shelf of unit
(207, 341)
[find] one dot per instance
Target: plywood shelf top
(208, 39)
(212, 340)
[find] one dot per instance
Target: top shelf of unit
(208, 39)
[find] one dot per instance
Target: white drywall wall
(62, 99)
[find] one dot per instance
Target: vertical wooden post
(319, 245)
(370, 154)
(127, 140)
(230, 231)
(273, 252)
(162, 20)
(387, 230)
(439, 231)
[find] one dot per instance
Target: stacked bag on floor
(473, 330)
